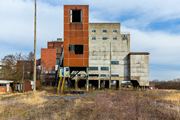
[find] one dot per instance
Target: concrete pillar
(99, 84)
(119, 84)
(109, 84)
(87, 84)
(76, 82)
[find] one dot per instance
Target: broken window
(71, 48)
(76, 16)
(77, 49)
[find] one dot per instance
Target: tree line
(15, 66)
(170, 84)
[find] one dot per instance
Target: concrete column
(109, 84)
(87, 84)
(76, 83)
(119, 84)
(99, 84)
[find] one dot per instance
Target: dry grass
(33, 99)
(106, 105)
(173, 96)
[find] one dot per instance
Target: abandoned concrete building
(95, 54)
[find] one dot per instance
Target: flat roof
(105, 23)
(139, 53)
(5, 81)
(74, 5)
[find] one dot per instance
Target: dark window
(57, 61)
(115, 38)
(105, 31)
(3, 85)
(93, 38)
(114, 75)
(93, 75)
(105, 68)
(124, 37)
(72, 48)
(115, 31)
(76, 16)
(104, 38)
(78, 49)
(94, 31)
(93, 68)
(115, 62)
(103, 75)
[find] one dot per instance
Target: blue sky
(154, 26)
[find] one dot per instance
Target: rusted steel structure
(76, 22)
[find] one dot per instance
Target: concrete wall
(139, 68)
(99, 49)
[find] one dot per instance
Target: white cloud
(17, 23)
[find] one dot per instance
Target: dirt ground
(97, 105)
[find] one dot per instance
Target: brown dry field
(97, 105)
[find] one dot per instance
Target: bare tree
(9, 69)
(30, 56)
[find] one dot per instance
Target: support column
(87, 80)
(109, 84)
(76, 83)
(87, 84)
(99, 84)
(119, 84)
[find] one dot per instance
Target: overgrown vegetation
(171, 84)
(98, 105)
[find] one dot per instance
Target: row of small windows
(105, 31)
(103, 75)
(104, 38)
(102, 68)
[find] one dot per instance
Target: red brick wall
(27, 86)
(3, 89)
(55, 44)
(48, 59)
(76, 34)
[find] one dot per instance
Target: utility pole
(34, 76)
(110, 67)
(23, 78)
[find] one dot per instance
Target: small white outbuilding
(5, 86)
